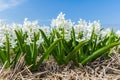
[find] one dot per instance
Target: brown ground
(100, 69)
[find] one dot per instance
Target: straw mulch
(100, 69)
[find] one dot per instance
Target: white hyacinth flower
(46, 30)
(30, 27)
(97, 27)
(39, 41)
(106, 32)
(118, 33)
(61, 22)
(28, 41)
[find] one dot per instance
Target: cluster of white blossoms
(82, 28)
(118, 33)
(2, 34)
(61, 22)
(87, 29)
(29, 28)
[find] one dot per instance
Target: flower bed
(64, 40)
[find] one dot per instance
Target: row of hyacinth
(60, 22)
(63, 39)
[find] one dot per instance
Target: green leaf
(2, 56)
(20, 43)
(99, 52)
(7, 51)
(44, 37)
(73, 37)
(76, 49)
(49, 50)
(35, 50)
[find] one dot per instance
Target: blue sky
(107, 11)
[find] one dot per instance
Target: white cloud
(6, 4)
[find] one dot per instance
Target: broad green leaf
(99, 52)
(76, 49)
(7, 51)
(45, 37)
(2, 56)
(73, 37)
(35, 50)
(19, 41)
(49, 50)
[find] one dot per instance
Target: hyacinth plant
(63, 40)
